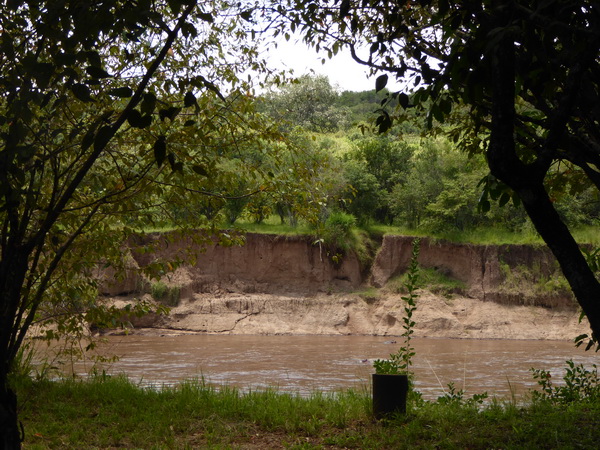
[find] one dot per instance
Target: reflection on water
(327, 363)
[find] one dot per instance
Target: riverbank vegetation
(110, 412)
(403, 182)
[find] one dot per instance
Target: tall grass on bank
(482, 235)
(109, 412)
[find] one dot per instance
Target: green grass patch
(111, 412)
(369, 294)
(165, 294)
(530, 281)
(434, 280)
(489, 236)
(273, 225)
(481, 236)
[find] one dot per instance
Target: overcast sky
(342, 70)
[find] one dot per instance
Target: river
(302, 364)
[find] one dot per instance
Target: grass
(273, 226)
(167, 295)
(523, 280)
(107, 412)
(481, 236)
(432, 279)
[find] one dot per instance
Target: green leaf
(148, 103)
(97, 72)
(169, 113)
(344, 8)
(171, 159)
(43, 74)
(81, 92)
(136, 119)
(403, 100)
(381, 82)
(160, 150)
(189, 100)
(200, 170)
(206, 17)
(189, 30)
(121, 92)
(437, 112)
(246, 15)
(504, 199)
(175, 6)
(384, 122)
(103, 137)
(88, 138)
(484, 206)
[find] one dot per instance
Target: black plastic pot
(389, 395)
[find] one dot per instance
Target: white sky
(342, 70)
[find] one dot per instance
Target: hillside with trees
(403, 177)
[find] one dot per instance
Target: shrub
(338, 230)
(580, 385)
(167, 295)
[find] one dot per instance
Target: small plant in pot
(391, 377)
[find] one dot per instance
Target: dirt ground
(286, 285)
(436, 316)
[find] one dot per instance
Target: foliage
(364, 192)
(580, 385)
(373, 166)
(107, 412)
(523, 281)
(401, 361)
(439, 281)
(114, 116)
(452, 396)
(434, 279)
(338, 230)
(168, 295)
(308, 102)
(338, 236)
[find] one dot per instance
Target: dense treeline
(399, 178)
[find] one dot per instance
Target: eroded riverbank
(350, 314)
(288, 285)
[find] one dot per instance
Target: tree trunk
(574, 266)
(10, 436)
(527, 180)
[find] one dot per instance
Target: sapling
(400, 362)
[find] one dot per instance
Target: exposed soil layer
(289, 285)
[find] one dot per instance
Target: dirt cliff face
(289, 285)
(265, 263)
(508, 274)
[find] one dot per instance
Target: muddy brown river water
(303, 364)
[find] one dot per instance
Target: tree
(440, 191)
(385, 159)
(309, 102)
(528, 73)
(110, 113)
(364, 195)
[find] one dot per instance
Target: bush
(580, 385)
(167, 295)
(338, 231)
(433, 279)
